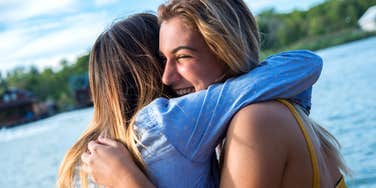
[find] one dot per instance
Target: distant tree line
(47, 84)
(280, 30)
(311, 29)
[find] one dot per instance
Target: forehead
(176, 32)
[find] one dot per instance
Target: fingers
(108, 141)
(85, 157)
(93, 146)
(86, 168)
(86, 161)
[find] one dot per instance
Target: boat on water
(20, 106)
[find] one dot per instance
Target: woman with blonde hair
(121, 86)
(269, 144)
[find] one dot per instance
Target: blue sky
(43, 32)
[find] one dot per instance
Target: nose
(170, 73)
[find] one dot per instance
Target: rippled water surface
(344, 101)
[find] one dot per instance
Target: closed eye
(183, 57)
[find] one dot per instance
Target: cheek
(189, 72)
(198, 75)
(211, 72)
(183, 71)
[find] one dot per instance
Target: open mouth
(185, 91)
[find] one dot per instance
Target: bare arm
(256, 147)
(110, 164)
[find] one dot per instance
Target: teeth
(185, 91)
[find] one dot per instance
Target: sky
(44, 32)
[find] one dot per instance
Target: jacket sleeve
(194, 124)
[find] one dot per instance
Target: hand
(110, 164)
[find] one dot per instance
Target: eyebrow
(182, 48)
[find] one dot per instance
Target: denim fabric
(178, 136)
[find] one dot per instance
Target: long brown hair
(125, 75)
(230, 30)
(227, 26)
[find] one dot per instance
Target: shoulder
(263, 110)
(258, 144)
(264, 123)
(265, 114)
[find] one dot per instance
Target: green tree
(3, 84)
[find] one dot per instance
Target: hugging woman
(209, 48)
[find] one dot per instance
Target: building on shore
(17, 106)
(368, 21)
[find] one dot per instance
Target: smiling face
(190, 64)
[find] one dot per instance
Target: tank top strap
(341, 183)
(311, 149)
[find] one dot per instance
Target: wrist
(132, 177)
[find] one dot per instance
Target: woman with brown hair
(125, 75)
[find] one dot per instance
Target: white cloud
(17, 10)
(70, 38)
(43, 32)
(104, 2)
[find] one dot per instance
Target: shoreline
(323, 42)
(25, 122)
(263, 55)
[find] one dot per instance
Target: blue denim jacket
(178, 136)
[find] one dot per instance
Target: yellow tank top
(315, 166)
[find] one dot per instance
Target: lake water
(343, 101)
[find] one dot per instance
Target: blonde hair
(125, 75)
(327, 142)
(228, 28)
